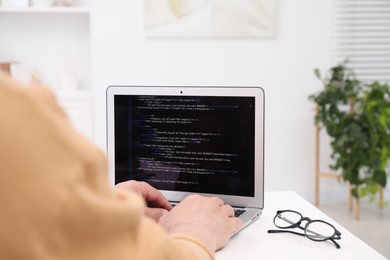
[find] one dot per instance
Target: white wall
(282, 66)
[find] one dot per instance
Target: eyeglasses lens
(287, 219)
(318, 230)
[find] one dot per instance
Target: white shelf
(45, 10)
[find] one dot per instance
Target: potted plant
(356, 116)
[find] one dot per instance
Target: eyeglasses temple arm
(335, 243)
(270, 231)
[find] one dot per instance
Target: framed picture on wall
(210, 18)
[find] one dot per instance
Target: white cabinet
(53, 42)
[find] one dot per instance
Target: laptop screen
(202, 144)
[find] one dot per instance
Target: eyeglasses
(316, 230)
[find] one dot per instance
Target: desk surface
(255, 243)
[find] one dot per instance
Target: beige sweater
(55, 199)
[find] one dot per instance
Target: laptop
(186, 140)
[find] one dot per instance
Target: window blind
(361, 34)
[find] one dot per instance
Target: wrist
(198, 232)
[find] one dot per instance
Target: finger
(155, 213)
(228, 210)
(158, 202)
(154, 196)
(237, 224)
(219, 201)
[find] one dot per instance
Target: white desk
(255, 243)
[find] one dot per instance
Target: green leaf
(355, 193)
(363, 193)
(374, 188)
(317, 73)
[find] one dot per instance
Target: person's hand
(156, 202)
(205, 218)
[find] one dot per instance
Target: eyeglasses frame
(336, 235)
